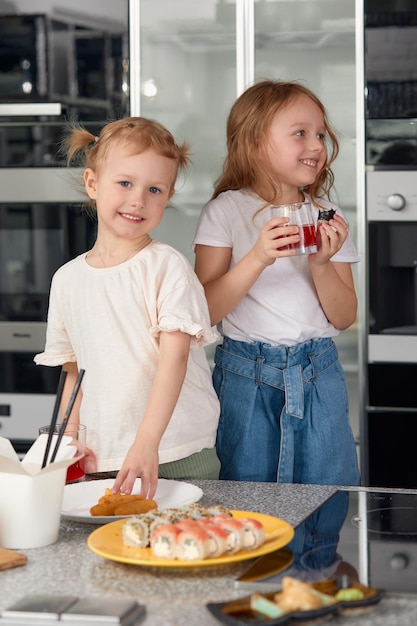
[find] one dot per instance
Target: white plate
(80, 497)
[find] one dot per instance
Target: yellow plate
(107, 541)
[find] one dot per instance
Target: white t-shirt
(282, 307)
(108, 321)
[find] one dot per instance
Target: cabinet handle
(22, 109)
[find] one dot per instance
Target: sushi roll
(162, 520)
(192, 544)
(235, 533)
(135, 532)
(218, 537)
(196, 511)
(253, 533)
(163, 541)
(173, 514)
(219, 509)
(187, 523)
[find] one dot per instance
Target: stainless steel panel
(391, 196)
(392, 348)
(41, 184)
(27, 413)
(393, 564)
(22, 336)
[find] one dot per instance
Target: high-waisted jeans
(284, 414)
(284, 417)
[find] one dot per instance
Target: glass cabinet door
(188, 77)
(188, 83)
(313, 42)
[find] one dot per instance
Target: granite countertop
(177, 597)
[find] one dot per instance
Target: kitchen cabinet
(190, 60)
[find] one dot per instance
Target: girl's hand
(330, 238)
(143, 461)
(90, 461)
(274, 239)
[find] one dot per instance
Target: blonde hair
(81, 148)
(248, 126)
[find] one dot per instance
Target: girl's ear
(90, 182)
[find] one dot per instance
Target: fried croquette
(121, 504)
(135, 508)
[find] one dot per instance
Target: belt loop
(258, 369)
(312, 359)
(294, 391)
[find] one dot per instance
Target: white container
(31, 497)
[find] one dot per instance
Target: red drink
(76, 471)
(308, 236)
(308, 239)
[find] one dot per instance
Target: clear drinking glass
(78, 434)
(301, 215)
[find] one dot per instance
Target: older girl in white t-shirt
(283, 396)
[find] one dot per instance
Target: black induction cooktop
(370, 536)
(379, 537)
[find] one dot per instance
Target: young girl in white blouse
(133, 315)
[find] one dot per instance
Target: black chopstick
(68, 413)
(54, 415)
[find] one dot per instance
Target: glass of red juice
(299, 214)
(78, 438)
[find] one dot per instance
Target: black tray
(239, 613)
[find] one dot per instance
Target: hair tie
(96, 138)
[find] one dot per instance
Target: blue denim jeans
(315, 541)
(284, 414)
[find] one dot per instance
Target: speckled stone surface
(177, 597)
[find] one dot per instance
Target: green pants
(202, 465)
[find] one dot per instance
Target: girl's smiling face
(131, 191)
(295, 152)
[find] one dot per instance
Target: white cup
(299, 214)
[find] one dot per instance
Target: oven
(390, 48)
(378, 540)
(390, 411)
(54, 67)
(38, 233)
(357, 534)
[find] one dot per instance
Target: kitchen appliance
(391, 82)
(53, 68)
(390, 417)
(36, 237)
(379, 539)
(377, 544)
(389, 412)
(65, 56)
